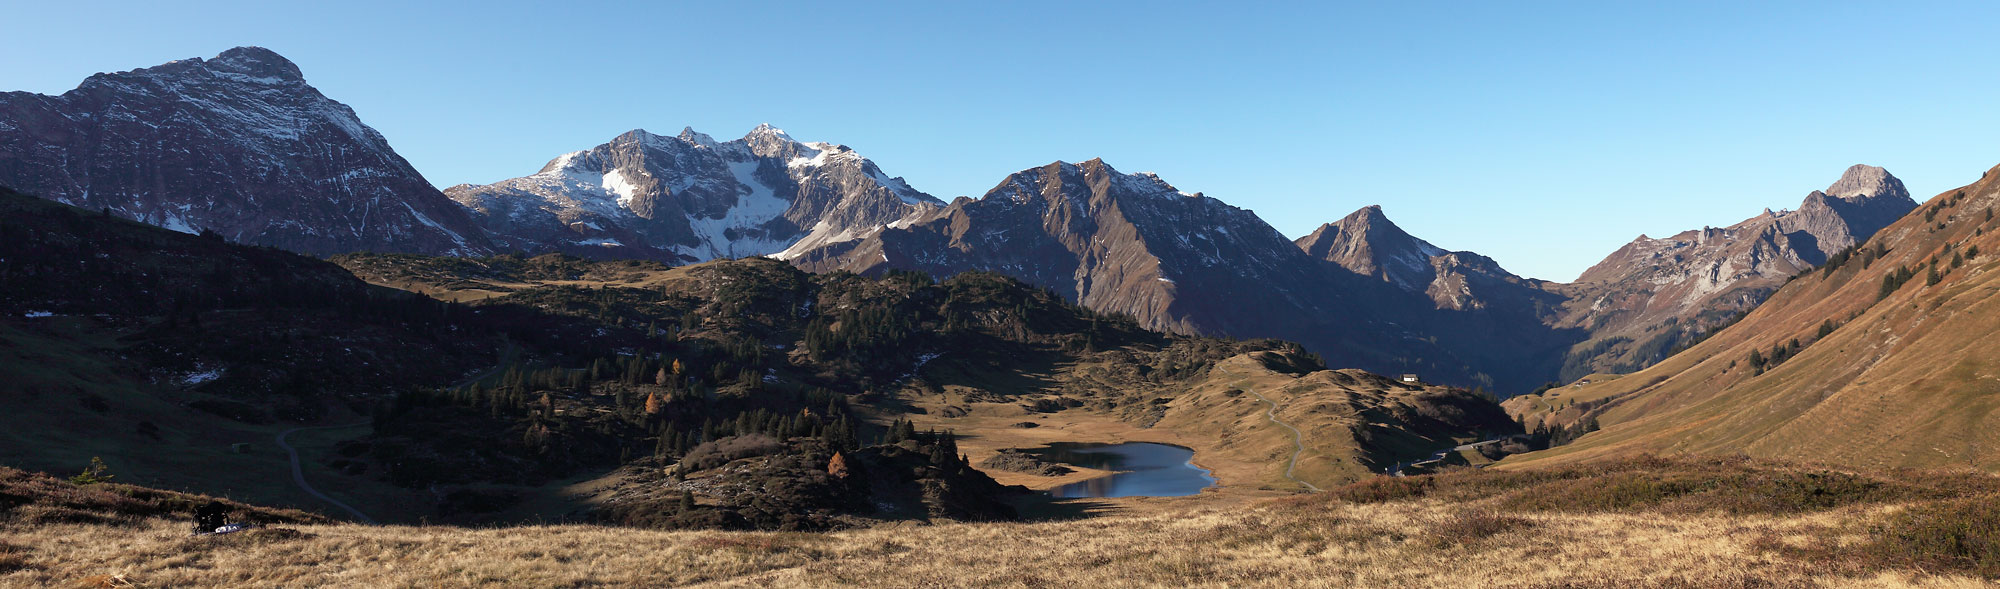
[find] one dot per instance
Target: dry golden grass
(1305, 542)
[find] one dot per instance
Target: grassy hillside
(1352, 424)
(1885, 356)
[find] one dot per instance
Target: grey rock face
(1862, 181)
(691, 198)
(239, 144)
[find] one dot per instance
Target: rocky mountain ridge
(238, 144)
(1188, 263)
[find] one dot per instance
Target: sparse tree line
(716, 377)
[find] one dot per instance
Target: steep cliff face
(692, 198)
(239, 144)
(1655, 294)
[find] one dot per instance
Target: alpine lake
(1141, 469)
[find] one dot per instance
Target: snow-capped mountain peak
(767, 130)
(691, 198)
(689, 135)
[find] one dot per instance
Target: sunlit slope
(1909, 374)
(1350, 424)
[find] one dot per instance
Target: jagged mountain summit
(1656, 293)
(1189, 263)
(239, 144)
(691, 198)
(1367, 243)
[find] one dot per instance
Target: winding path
(1298, 439)
(299, 475)
(298, 471)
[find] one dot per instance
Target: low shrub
(12, 557)
(1017, 461)
(719, 452)
(1961, 535)
(1679, 485)
(1385, 489)
(1471, 526)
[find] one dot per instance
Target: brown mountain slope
(1890, 367)
(1652, 295)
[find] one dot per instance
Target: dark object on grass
(208, 518)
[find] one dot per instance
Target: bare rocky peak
(1862, 181)
(257, 61)
(1367, 243)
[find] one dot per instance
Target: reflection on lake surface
(1148, 470)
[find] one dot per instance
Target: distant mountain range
(241, 145)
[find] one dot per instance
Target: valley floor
(1299, 542)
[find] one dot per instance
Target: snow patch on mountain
(615, 183)
(739, 232)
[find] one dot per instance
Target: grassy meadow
(1639, 523)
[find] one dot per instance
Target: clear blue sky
(1542, 134)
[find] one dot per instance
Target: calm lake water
(1150, 470)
